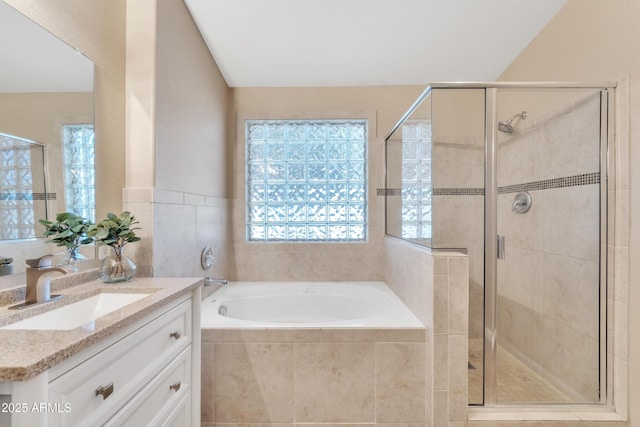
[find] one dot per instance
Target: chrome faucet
(38, 274)
(208, 281)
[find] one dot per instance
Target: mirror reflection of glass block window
(79, 169)
(17, 219)
(306, 180)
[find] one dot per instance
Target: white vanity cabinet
(148, 374)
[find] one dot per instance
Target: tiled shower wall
(434, 285)
(552, 251)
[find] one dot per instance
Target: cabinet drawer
(181, 414)
(159, 398)
(121, 370)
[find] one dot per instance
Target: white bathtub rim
(396, 315)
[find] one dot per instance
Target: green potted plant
(68, 230)
(116, 231)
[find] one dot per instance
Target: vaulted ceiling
(367, 42)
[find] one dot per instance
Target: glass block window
(79, 169)
(306, 180)
(416, 179)
(16, 189)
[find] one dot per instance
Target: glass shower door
(548, 245)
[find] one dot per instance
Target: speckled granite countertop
(26, 353)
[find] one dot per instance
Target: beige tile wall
(552, 251)
(176, 226)
(434, 285)
(339, 377)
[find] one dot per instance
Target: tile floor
(517, 383)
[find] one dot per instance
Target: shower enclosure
(516, 175)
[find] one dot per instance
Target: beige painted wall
(594, 40)
(303, 261)
(177, 172)
(191, 108)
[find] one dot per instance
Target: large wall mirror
(46, 134)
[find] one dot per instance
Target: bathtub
(313, 351)
(306, 305)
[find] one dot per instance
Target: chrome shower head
(507, 126)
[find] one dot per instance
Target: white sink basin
(79, 313)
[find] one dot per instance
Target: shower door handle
(500, 246)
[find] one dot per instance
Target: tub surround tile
(441, 304)
(341, 382)
(331, 262)
(209, 226)
(253, 382)
(181, 234)
(279, 335)
(440, 408)
(185, 241)
(440, 266)
(458, 386)
(445, 374)
(323, 335)
(400, 382)
(504, 424)
(206, 385)
(336, 424)
(234, 335)
(441, 362)
(458, 299)
(396, 425)
(400, 335)
(346, 374)
(247, 424)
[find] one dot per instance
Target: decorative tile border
(389, 192)
(27, 196)
(458, 191)
(546, 184)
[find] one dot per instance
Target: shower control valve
(521, 203)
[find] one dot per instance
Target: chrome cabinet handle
(105, 391)
(175, 387)
(175, 334)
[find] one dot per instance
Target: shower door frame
(490, 395)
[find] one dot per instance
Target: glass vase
(72, 256)
(117, 267)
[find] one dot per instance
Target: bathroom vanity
(137, 365)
